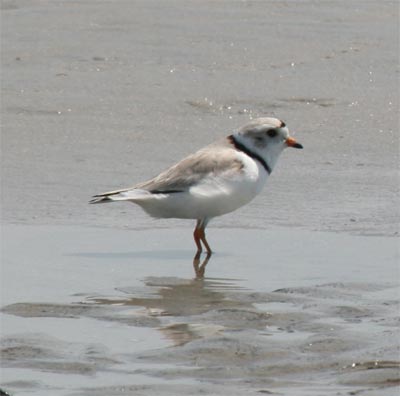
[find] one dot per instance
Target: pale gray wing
(215, 159)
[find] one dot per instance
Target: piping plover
(215, 180)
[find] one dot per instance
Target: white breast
(221, 194)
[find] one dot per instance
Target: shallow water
(289, 311)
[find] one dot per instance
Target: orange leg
(204, 240)
(197, 239)
(199, 236)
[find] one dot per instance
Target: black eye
(272, 133)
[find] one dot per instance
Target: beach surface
(302, 294)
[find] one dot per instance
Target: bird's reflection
(200, 267)
(170, 296)
(184, 301)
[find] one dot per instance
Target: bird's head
(267, 137)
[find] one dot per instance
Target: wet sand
(109, 95)
(302, 294)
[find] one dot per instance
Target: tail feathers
(100, 199)
(122, 195)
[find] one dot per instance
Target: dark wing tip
(99, 199)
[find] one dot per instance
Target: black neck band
(241, 147)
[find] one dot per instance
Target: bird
(213, 181)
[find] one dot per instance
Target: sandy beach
(302, 294)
